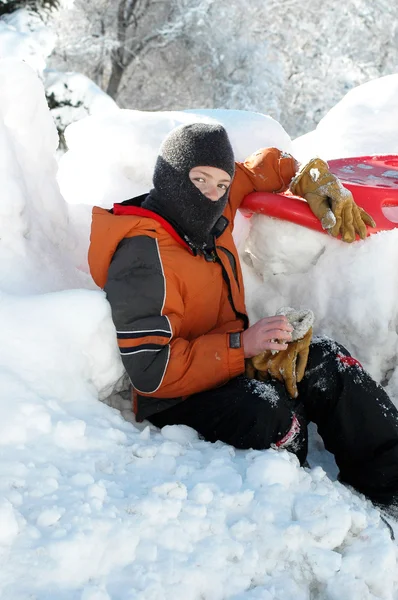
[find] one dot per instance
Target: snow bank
(34, 227)
(24, 36)
(37, 254)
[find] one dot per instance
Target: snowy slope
(94, 507)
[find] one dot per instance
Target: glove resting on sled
(330, 201)
(287, 366)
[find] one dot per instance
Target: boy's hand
(287, 366)
(269, 333)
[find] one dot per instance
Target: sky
(94, 506)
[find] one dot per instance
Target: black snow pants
(355, 417)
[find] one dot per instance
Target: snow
(72, 96)
(341, 133)
(301, 320)
(75, 96)
(24, 36)
(94, 506)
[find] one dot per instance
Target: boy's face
(212, 182)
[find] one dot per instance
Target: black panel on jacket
(136, 266)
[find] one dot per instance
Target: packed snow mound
(24, 36)
(42, 329)
(60, 344)
(34, 227)
(111, 158)
(364, 122)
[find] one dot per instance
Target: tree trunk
(115, 79)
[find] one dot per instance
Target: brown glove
(332, 203)
(288, 366)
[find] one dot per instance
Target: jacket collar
(127, 208)
(122, 209)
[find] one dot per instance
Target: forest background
(291, 59)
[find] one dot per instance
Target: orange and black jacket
(174, 310)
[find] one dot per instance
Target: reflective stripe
(290, 436)
(138, 332)
(129, 351)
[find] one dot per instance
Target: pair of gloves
(288, 366)
(330, 202)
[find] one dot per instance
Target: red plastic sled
(373, 181)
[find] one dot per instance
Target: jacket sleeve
(267, 170)
(148, 312)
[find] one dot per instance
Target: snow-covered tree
(198, 52)
(326, 49)
(292, 59)
(105, 39)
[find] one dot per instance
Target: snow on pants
(354, 416)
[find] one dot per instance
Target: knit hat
(174, 196)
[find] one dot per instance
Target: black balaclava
(174, 196)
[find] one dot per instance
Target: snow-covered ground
(96, 507)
